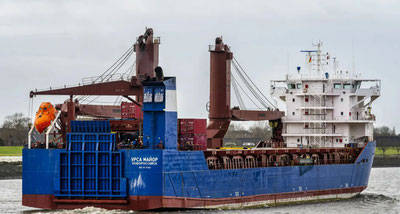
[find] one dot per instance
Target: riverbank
(11, 151)
(386, 161)
(11, 170)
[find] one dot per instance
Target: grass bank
(11, 150)
(391, 151)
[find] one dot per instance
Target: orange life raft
(44, 116)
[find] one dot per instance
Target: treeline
(262, 130)
(384, 131)
(386, 139)
(386, 142)
(14, 130)
(259, 129)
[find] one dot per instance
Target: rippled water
(381, 196)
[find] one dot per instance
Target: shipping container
(192, 134)
(192, 141)
(192, 126)
(130, 111)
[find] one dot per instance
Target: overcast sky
(52, 43)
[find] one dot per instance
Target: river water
(381, 196)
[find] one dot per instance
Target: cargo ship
(140, 156)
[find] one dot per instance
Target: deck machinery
(86, 167)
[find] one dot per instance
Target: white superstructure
(326, 107)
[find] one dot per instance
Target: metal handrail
(46, 133)
(50, 127)
(29, 136)
(108, 78)
(89, 81)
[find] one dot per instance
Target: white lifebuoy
(305, 90)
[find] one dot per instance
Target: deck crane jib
(113, 82)
(220, 111)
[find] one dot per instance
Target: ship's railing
(107, 78)
(46, 134)
(305, 76)
(212, 48)
(91, 80)
(344, 75)
(322, 76)
(337, 118)
(355, 118)
(156, 40)
(275, 161)
(279, 90)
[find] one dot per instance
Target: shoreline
(386, 161)
(10, 170)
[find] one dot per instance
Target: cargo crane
(220, 111)
(146, 48)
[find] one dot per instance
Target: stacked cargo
(192, 134)
(130, 111)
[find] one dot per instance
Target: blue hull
(151, 179)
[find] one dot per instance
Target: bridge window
(347, 86)
(298, 85)
(337, 85)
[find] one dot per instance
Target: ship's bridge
(329, 109)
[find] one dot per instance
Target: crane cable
(123, 55)
(236, 90)
(241, 68)
(106, 73)
(251, 86)
(255, 94)
(110, 73)
(128, 72)
(247, 95)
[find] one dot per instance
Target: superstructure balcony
(327, 121)
(312, 135)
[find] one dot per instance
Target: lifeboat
(44, 116)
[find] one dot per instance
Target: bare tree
(16, 121)
(234, 131)
(384, 131)
(397, 149)
(14, 130)
(261, 130)
(387, 142)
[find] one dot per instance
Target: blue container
(94, 126)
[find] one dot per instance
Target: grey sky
(52, 43)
